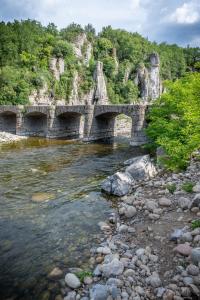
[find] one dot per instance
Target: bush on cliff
(174, 121)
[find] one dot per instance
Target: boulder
(119, 184)
(141, 168)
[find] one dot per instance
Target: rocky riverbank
(6, 137)
(149, 247)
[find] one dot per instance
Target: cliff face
(83, 48)
(100, 91)
(57, 67)
(148, 80)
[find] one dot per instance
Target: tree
(174, 121)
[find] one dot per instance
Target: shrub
(171, 188)
(195, 224)
(188, 187)
(174, 121)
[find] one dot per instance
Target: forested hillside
(26, 65)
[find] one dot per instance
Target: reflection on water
(50, 204)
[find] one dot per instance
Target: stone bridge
(86, 122)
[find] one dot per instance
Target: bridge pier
(138, 136)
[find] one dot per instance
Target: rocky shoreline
(6, 137)
(149, 249)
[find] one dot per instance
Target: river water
(50, 205)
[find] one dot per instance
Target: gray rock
(115, 267)
(151, 205)
(160, 292)
(192, 270)
(165, 202)
(186, 237)
(196, 201)
(187, 280)
(130, 211)
(99, 292)
(141, 168)
(119, 184)
(72, 281)
(196, 188)
(184, 203)
(123, 228)
(103, 250)
(70, 296)
(154, 280)
(115, 281)
(195, 256)
(176, 235)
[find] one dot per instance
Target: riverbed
(50, 206)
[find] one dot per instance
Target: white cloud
(188, 13)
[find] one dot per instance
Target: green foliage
(171, 188)
(62, 49)
(174, 121)
(71, 32)
(188, 187)
(81, 275)
(26, 48)
(195, 224)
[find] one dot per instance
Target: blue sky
(173, 21)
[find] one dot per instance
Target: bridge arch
(109, 124)
(35, 123)
(69, 124)
(8, 121)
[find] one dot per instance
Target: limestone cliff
(148, 80)
(57, 67)
(74, 97)
(82, 48)
(100, 91)
(41, 96)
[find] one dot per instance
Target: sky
(172, 21)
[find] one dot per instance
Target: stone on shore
(183, 249)
(72, 281)
(122, 183)
(141, 168)
(115, 267)
(119, 184)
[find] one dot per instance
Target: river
(50, 205)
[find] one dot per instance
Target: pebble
(72, 281)
(56, 273)
(192, 270)
(195, 256)
(184, 203)
(130, 211)
(183, 249)
(165, 202)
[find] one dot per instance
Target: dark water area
(50, 206)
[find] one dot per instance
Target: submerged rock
(40, 197)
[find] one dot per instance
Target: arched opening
(8, 122)
(35, 124)
(70, 125)
(123, 126)
(110, 125)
